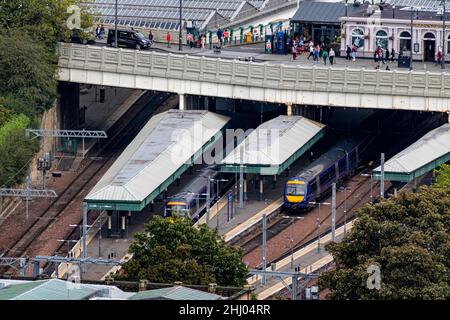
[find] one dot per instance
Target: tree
(407, 237)
(172, 250)
(443, 177)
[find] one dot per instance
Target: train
(315, 181)
(190, 202)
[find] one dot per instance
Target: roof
(274, 145)
(175, 293)
(319, 12)
(53, 289)
(424, 155)
(155, 158)
(164, 14)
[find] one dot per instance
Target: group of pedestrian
(223, 37)
(351, 53)
(321, 52)
(100, 32)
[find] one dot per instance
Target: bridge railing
(255, 75)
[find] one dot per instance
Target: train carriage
(313, 182)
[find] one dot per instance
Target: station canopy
(165, 14)
(274, 145)
(426, 154)
(162, 151)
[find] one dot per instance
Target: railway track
(120, 135)
(278, 234)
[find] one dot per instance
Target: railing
(257, 75)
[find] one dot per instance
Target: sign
(416, 47)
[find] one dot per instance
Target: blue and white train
(314, 181)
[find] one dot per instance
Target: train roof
(328, 158)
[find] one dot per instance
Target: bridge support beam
(289, 109)
(182, 104)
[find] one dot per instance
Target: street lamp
(318, 220)
(443, 35)
(412, 44)
(345, 189)
(292, 236)
(180, 45)
(116, 43)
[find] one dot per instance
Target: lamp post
(292, 236)
(318, 220)
(345, 189)
(116, 44)
(393, 11)
(412, 43)
(180, 45)
(443, 35)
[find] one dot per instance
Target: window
(358, 38)
(429, 36)
(405, 41)
(296, 189)
(381, 39)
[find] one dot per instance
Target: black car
(128, 39)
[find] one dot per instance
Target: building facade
(391, 28)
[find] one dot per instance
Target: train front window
(177, 210)
(296, 189)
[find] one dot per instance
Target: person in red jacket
(168, 39)
(439, 57)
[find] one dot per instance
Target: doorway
(429, 45)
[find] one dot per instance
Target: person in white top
(331, 56)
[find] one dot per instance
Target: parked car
(128, 39)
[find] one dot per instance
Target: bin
(404, 62)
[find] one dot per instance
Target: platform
(165, 148)
(426, 154)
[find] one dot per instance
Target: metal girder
(283, 273)
(32, 193)
(67, 133)
(58, 259)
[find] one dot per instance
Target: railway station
(321, 142)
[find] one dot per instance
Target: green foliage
(443, 177)
(172, 250)
(16, 148)
(408, 237)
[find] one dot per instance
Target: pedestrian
(150, 37)
(168, 39)
(439, 57)
(219, 36)
(387, 68)
(311, 156)
(97, 32)
(392, 55)
(331, 54)
(311, 51)
(386, 58)
(203, 41)
(349, 51)
(102, 32)
(294, 50)
(316, 55)
(226, 35)
(324, 56)
(354, 49)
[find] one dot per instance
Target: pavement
(256, 52)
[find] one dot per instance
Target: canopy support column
(261, 188)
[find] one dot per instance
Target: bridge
(265, 82)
